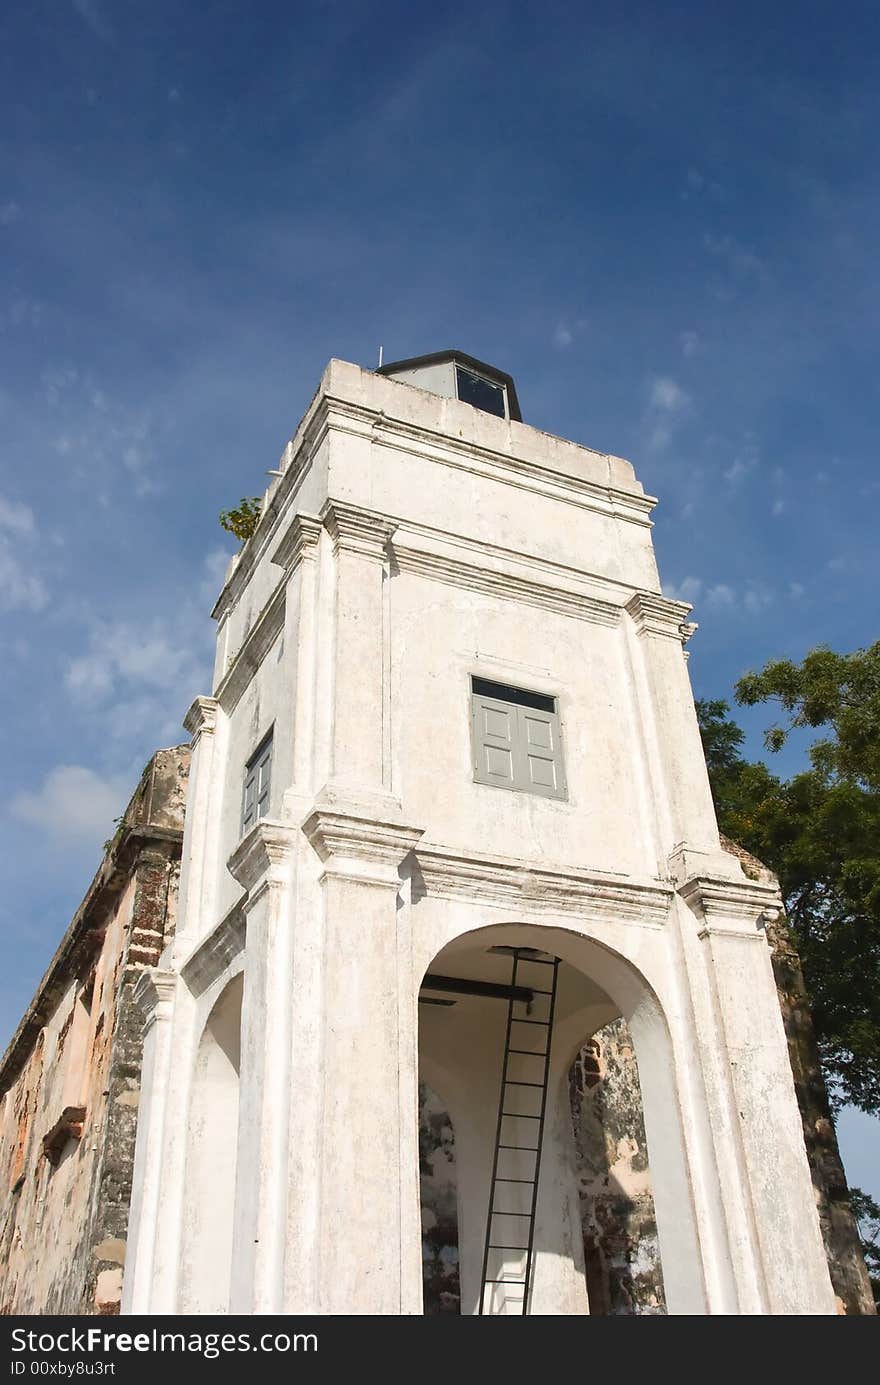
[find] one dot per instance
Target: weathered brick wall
(70, 1077)
(621, 1249)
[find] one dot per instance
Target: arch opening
(206, 1255)
(595, 1228)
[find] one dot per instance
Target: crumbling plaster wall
(70, 1077)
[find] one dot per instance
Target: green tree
(820, 832)
(243, 520)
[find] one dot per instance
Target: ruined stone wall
(70, 1077)
(439, 1198)
(621, 1249)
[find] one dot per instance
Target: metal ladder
(522, 1106)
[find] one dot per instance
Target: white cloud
(73, 803)
(667, 396)
(566, 330)
(668, 404)
(741, 466)
(142, 676)
(719, 596)
(142, 655)
(796, 590)
(20, 588)
(9, 213)
(740, 259)
(690, 343)
(778, 507)
(16, 517)
(102, 439)
(90, 14)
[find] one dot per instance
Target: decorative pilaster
(753, 1114)
(359, 1014)
(660, 628)
(360, 732)
(263, 863)
(153, 995)
(195, 890)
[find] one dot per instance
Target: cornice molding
(256, 645)
(215, 954)
(264, 857)
(729, 907)
(201, 719)
(449, 874)
(467, 455)
(367, 849)
(153, 995)
(471, 576)
(356, 530)
(299, 541)
(653, 614)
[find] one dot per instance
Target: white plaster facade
(409, 543)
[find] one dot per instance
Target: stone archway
(461, 1043)
(206, 1255)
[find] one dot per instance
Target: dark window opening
(473, 389)
(483, 687)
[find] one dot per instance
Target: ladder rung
(534, 990)
(494, 1247)
(517, 1283)
(523, 1149)
(530, 1181)
(496, 1213)
(545, 1023)
(529, 1053)
(520, 1116)
(510, 1082)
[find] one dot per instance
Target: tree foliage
(243, 520)
(820, 832)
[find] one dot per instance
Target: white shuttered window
(516, 739)
(257, 782)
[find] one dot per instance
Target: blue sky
(662, 220)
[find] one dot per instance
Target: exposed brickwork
(66, 1164)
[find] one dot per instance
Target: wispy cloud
(74, 804)
(690, 343)
(752, 598)
(102, 440)
(90, 13)
(668, 403)
(566, 331)
(145, 674)
(9, 213)
(21, 587)
(738, 258)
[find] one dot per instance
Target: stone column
(154, 994)
(360, 740)
(751, 1105)
(196, 875)
(362, 1218)
(297, 553)
(263, 864)
(660, 628)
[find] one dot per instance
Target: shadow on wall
(621, 1248)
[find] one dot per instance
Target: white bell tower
(451, 752)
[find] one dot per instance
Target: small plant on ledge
(242, 521)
